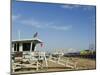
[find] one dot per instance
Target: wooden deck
(82, 64)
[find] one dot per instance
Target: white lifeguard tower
(25, 45)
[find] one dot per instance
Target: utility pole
(19, 34)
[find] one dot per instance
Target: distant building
(87, 52)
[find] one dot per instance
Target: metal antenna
(19, 34)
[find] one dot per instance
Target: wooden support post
(37, 66)
(31, 47)
(45, 60)
(58, 59)
(20, 47)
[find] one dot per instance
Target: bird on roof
(35, 35)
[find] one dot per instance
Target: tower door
(33, 47)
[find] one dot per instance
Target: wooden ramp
(61, 64)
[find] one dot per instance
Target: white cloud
(33, 23)
(61, 27)
(39, 24)
(84, 7)
(69, 6)
(88, 8)
(44, 25)
(15, 17)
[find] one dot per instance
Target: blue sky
(60, 26)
